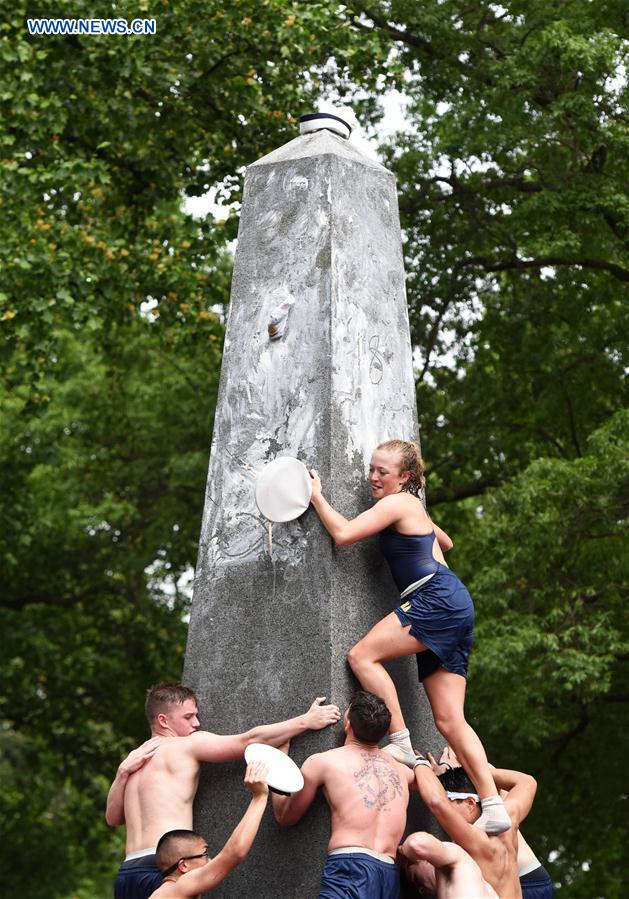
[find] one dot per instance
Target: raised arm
(343, 531)
(423, 846)
(235, 850)
(521, 792)
(114, 813)
(470, 838)
(208, 747)
(289, 810)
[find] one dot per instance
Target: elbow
(532, 783)
(342, 538)
(113, 820)
(281, 817)
(239, 854)
(447, 545)
(414, 847)
(434, 804)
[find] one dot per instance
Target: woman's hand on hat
(316, 485)
(319, 716)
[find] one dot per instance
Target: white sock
(495, 818)
(402, 738)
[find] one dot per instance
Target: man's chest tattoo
(377, 782)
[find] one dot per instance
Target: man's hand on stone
(447, 761)
(319, 716)
(255, 778)
(139, 756)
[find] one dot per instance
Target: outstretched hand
(139, 756)
(447, 761)
(255, 778)
(319, 716)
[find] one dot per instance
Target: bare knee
(357, 656)
(449, 722)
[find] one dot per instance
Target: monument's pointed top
(319, 143)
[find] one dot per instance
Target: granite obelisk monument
(319, 239)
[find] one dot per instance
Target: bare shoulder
(406, 774)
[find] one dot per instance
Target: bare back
(158, 797)
(367, 792)
(463, 878)
(415, 521)
(499, 864)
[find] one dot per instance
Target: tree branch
(396, 34)
(602, 264)
(463, 491)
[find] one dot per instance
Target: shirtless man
(535, 881)
(441, 869)
(155, 785)
(367, 792)
(455, 804)
(182, 855)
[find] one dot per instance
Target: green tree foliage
(513, 199)
(110, 346)
(101, 501)
(513, 182)
(553, 644)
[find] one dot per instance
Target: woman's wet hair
(369, 716)
(410, 461)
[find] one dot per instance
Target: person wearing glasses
(155, 786)
(183, 855)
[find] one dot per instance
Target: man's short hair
(160, 697)
(174, 845)
(369, 716)
(456, 780)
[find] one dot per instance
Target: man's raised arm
(114, 813)
(431, 790)
(289, 810)
(235, 850)
(208, 747)
(521, 792)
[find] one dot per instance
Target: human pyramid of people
(367, 788)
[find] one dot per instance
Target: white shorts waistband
(527, 867)
(415, 585)
(140, 853)
(345, 850)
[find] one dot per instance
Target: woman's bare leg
(446, 694)
(386, 641)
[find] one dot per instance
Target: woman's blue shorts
(441, 616)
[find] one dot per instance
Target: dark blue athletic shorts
(441, 616)
(137, 878)
(353, 875)
(537, 884)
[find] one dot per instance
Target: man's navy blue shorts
(137, 878)
(352, 875)
(441, 616)
(537, 884)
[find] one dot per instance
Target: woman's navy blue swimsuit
(440, 611)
